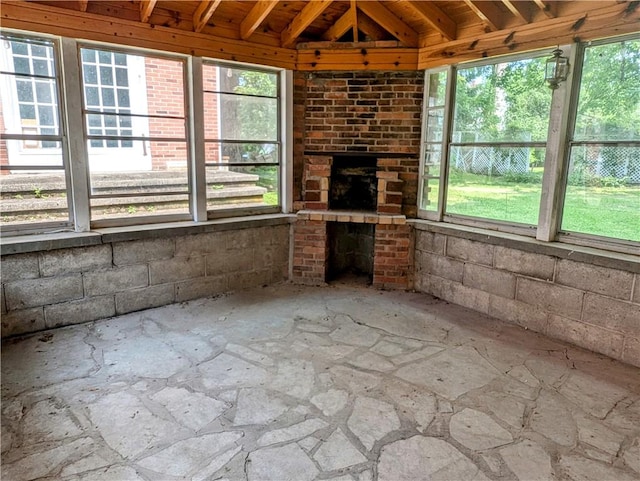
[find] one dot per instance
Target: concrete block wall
(53, 288)
(589, 305)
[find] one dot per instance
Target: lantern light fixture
(556, 69)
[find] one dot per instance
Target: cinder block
(242, 239)
(553, 298)
(176, 269)
(636, 293)
(585, 335)
(526, 263)
(22, 321)
(244, 280)
(77, 259)
(490, 280)
(215, 264)
(110, 281)
(280, 235)
(430, 242)
(200, 244)
(601, 280)
(76, 312)
(43, 291)
(472, 251)
(456, 293)
(279, 273)
(612, 314)
(142, 251)
(18, 267)
(145, 298)
(200, 287)
(442, 267)
(524, 315)
(3, 304)
(270, 256)
(239, 262)
(631, 351)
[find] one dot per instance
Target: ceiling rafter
(354, 12)
(387, 20)
(301, 21)
(255, 17)
(83, 4)
(435, 17)
(203, 13)
(487, 12)
(520, 9)
(549, 8)
(146, 7)
(370, 28)
(340, 27)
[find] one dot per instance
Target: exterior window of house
(603, 182)
(135, 118)
(500, 121)
(242, 137)
(33, 175)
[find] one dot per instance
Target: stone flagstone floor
(295, 383)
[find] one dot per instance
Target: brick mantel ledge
(357, 217)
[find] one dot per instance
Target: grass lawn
(605, 211)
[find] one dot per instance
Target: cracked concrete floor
(295, 383)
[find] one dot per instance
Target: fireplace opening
(350, 252)
(353, 183)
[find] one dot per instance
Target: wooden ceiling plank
(435, 17)
(307, 15)
(146, 7)
(338, 29)
(487, 12)
(203, 13)
(519, 10)
(387, 20)
(255, 17)
(549, 8)
(83, 4)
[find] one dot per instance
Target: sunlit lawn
(606, 211)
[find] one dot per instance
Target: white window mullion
(194, 83)
(563, 104)
(76, 145)
(286, 138)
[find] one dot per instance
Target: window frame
(282, 139)
(75, 149)
(554, 186)
(62, 137)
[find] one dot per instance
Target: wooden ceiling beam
(255, 17)
(549, 8)
(203, 13)
(342, 26)
(519, 9)
(307, 15)
(146, 7)
(83, 4)
(387, 20)
(487, 12)
(435, 18)
(354, 12)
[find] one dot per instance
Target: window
(432, 147)
(603, 182)
(135, 116)
(500, 122)
(242, 137)
(33, 176)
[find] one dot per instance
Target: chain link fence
(490, 160)
(597, 161)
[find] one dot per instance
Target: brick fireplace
(358, 136)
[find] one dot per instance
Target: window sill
(64, 240)
(579, 253)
